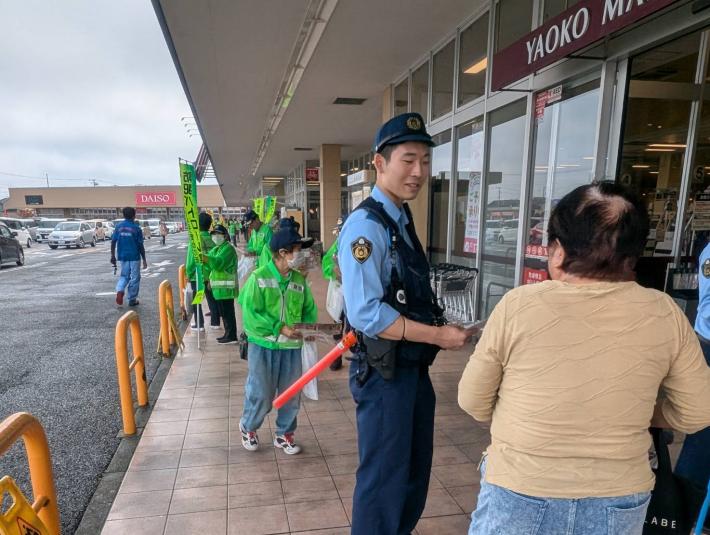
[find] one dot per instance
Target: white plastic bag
(309, 357)
(245, 265)
(334, 300)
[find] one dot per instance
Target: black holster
(381, 354)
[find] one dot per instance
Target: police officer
(389, 302)
(694, 459)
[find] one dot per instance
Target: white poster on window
(470, 240)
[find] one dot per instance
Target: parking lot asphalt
(57, 359)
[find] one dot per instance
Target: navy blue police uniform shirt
(365, 263)
(128, 236)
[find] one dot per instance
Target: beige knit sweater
(569, 375)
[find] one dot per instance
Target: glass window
(660, 96)
(555, 7)
(420, 90)
(513, 20)
(439, 198)
(401, 97)
(469, 168)
(564, 158)
(502, 203)
(473, 61)
(443, 81)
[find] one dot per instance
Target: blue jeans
(130, 277)
(271, 371)
(694, 460)
(503, 512)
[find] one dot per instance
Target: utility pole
(46, 175)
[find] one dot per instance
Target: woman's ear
(556, 257)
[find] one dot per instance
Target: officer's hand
(452, 337)
(290, 332)
(113, 260)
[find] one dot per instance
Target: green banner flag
(188, 184)
(259, 207)
(269, 208)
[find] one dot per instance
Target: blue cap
(286, 237)
(404, 127)
(287, 222)
(220, 229)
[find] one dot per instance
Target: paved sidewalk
(190, 474)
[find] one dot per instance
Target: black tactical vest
(409, 290)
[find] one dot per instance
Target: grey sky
(88, 91)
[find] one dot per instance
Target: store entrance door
(661, 113)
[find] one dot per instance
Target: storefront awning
(234, 55)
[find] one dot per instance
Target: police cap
(250, 216)
(402, 128)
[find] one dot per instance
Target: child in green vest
(275, 298)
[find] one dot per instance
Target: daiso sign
(155, 198)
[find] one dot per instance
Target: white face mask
(299, 258)
(218, 239)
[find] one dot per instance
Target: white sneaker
(194, 328)
(250, 440)
(287, 443)
(215, 327)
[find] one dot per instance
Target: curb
(96, 512)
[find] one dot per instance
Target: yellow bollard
(182, 284)
(123, 368)
(165, 302)
(25, 426)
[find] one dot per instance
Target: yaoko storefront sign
(155, 198)
(579, 26)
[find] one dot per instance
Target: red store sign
(579, 26)
(155, 198)
(312, 175)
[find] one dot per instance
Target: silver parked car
(69, 233)
(45, 226)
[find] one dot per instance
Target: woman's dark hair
(205, 221)
(602, 228)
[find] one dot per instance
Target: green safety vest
(270, 301)
(232, 229)
(259, 245)
(328, 263)
(191, 265)
(222, 261)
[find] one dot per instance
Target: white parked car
(154, 225)
(72, 233)
(508, 232)
(109, 226)
(23, 233)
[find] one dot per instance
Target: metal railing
(123, 368)
(44, 509)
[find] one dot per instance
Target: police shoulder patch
(361, 249)
(706, 268)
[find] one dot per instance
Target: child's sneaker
(249, 439)
(286, 443)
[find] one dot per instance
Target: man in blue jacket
(129, 238)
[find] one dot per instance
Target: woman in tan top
(568, 372)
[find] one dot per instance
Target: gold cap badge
(413, 123)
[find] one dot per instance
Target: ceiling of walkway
(233, 54)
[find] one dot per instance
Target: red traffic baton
(346, 343)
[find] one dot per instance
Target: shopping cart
(454, 287)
